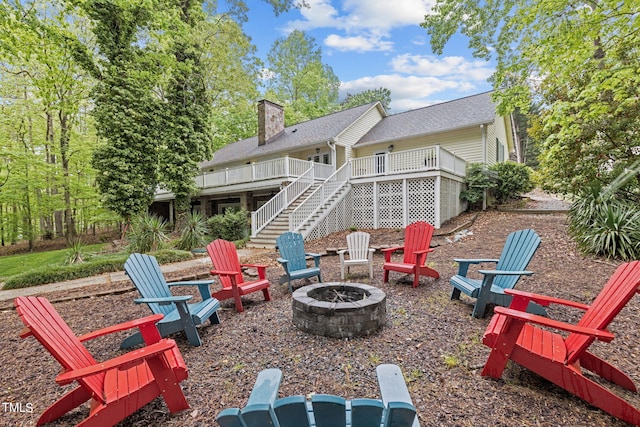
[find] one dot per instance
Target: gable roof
(461, 113)
(305, 134)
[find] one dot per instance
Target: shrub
(76, 253)
(478, 180)
(512, 180)
(194, 234)
(605, 225)
(231, 226)
(106, 264)
(148, 233)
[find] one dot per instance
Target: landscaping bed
(435, 341)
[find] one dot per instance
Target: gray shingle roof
(298, 136)
(457, 114)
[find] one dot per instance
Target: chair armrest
(474, 261)
(203, 286)
(282, 260)
(543, 299)
(121, 362)
(393, 249)
(143, 321)
(505, 273)
(315, 256)
(163, 300)
(341, 251)
(191, 283)
(262, 269)
(602, 335)
(224, 272)
(424, 251)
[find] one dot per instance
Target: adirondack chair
(227, 267)
(322, 410)
(116, 388)
(417, 238)
(294, 258)
(515, 335)
(516, 254)
(145, 273)
(359, 252)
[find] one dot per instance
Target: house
(359, 167)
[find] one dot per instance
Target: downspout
(334, 159)
(484, 162)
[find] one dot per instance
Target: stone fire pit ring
(364, 313)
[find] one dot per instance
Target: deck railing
(320, 195)
(420, 159)
(267, 212)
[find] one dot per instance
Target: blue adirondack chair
(322, 410)
(517, 253)
(294, 258)
(145, 273)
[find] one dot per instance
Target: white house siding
(466, 143)
(491, 145)
(450, 203)
(357, 130)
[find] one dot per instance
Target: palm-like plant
(195, 232)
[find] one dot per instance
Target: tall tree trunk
(65, 136)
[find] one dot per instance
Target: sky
(377, 43)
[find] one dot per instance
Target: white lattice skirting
(394, 204)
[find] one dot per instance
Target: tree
(580, 60)
(299, 78)
(366, 96)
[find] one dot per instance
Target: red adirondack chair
(417, 238)
(227, 267)
(513, 334)
(118, 387)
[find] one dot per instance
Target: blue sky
(378, 43)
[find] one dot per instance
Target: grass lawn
(11, 265)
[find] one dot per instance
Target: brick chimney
(270, 121)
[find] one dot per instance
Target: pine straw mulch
(434, 340)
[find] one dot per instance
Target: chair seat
(400, 267)
(472, 287)
(305, 272)
(200, 312)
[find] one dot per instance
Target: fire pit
(339, 309)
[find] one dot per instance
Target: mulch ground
(434, 340)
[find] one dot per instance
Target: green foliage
(76, 251)
(512, 180)
(366, 96)
(479, 179)
(194, 234)
(148, 233)
(231, 226)
(585, 61)
(98, 265)
(300, 80)
(604, 225)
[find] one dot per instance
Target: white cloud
(407, 92)
(384, 14)
(359, 43)
(450, 66)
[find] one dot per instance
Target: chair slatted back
(516, 254)
(224, 257)
(417, 237)
(145, 273)
(358, 245)
(620, 288)
(45, 324)
(291, 247)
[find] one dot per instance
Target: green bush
(605, 225)
(194, 234)
(478, 180)
(148, 233)
(512, 180)
(231, 226)
(105, 264)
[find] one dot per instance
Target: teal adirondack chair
(517, 253)
(294, 258)
(264, 408)
(145, 273)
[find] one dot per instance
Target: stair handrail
(261, 217)
(320, 195)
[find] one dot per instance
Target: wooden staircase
(266, 238)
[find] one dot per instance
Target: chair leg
(342, 271)
(605, 370)
(187, 324)
(168, 384)
(66, 403)
(266, 294)
(386, 276)
(416, 279)
(455, 294)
